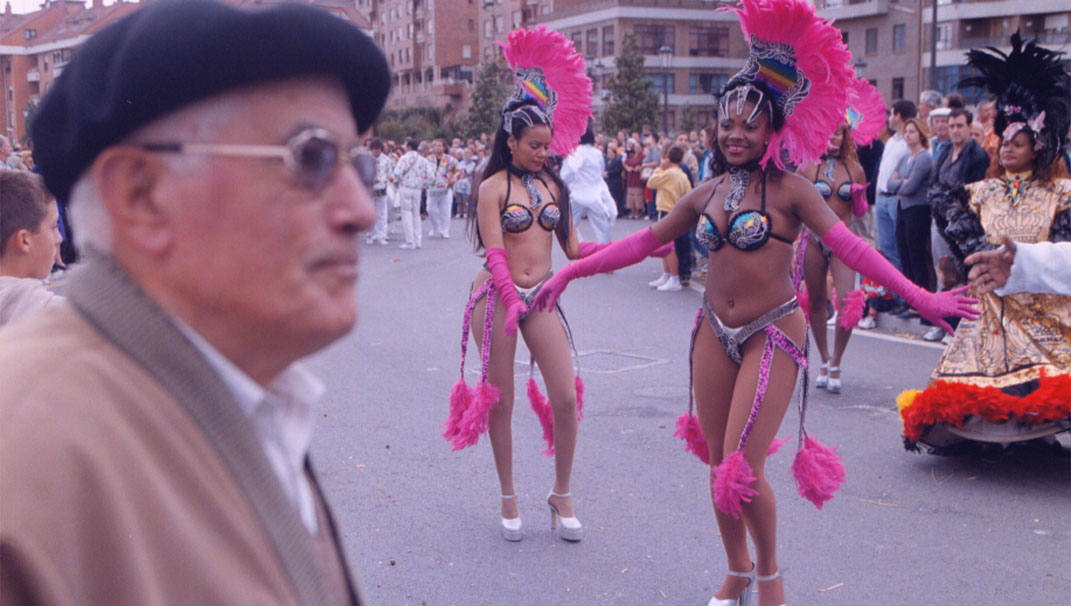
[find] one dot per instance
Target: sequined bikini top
(518, 217)
(844, 192)
(748, 229)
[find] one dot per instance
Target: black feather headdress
(1032, 92)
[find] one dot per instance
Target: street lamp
(666, 53)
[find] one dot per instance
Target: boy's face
(44, 245)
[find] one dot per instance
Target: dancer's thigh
(503, 346)
(780, 385)
(713, 375)
(843, 279)
(546, 339)
(814, 276)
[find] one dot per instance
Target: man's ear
(19, 242)
(128, 180)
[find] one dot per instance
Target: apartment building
(499, 17)
(432, 47)
(704, 47)
(884, 37)
(964, 25)
(34, 47)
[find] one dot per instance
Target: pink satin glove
(622, 253)
(498, 265)
(859, 204)
(935, 307)
(586, 249)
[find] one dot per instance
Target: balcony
(847, 9)
(33, 75)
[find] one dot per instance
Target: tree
(689, 119)
(632, 103)
(492, 86)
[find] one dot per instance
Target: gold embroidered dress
(1018, 338)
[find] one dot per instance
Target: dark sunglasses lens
(316, 157)
(365, 163)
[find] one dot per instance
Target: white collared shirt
(282, 414)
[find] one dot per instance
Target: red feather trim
(851, 311)
(579, 384)
(543, 413)
(818, 471)
(474, 420)
(688, 430)
(460, 399)
(730, 484)
(776, 445)
(950, 402)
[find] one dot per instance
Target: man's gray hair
(931, 99)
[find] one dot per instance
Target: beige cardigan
(128, 475)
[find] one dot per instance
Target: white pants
(410, 200)
(600, 220)
(440, 203)
(381, 204)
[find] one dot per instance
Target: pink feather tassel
(821, 56)
(730, 484)
(805, 301)
(776, 445)
(563, 67)
(688, 430)
(865, 99)
(543, 413)
(851, 311)
(818, 470)
(460, 399)
(859, 202)
(579, 384)
(474, 420)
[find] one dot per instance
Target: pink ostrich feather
(563, 67)
(818, 470)
(865, 100)
(688, 430)
(851, 311)
(730, 484)
(474, 421)
(821, 56)
(859, 202)
(543, 413)
(776, 445)
(460, 399)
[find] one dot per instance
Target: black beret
(172, 53)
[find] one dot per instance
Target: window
(897, 88)
(488, 29)
(899, 38)
(944, 38)
(608, 41)
(653, 37)
(516, 19)
(500, 24)
(30, 33)
(661, 81)
(708, 41)
(472, 25)
(591, 44)
(844, 37)
(872, 41)
(577, 38)
(706, 83)
(466, 51)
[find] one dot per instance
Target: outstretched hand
(553, 288)
(935, 307)
(991, 269)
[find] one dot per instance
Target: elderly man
(154, 429)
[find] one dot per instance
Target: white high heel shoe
(834, 382)
(571, 528)
(511, 527)
(744, 599)
(822, 379)
(772, 577)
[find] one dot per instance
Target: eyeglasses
(312, 155)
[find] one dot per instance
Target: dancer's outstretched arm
(859, 255)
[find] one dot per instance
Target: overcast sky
(28, 6)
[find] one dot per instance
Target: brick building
(35, 46)
(432, 47)
(498, 17)
(706, 47)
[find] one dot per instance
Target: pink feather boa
(865, 99)
(545, 413)
(849, 314)
(730, 484)
(473, 421)
(818, 470)
(821, 56)
(460, 399)
(563, 67)
(688, 430)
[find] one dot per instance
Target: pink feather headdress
(866, 111)
(802, 62)
(550, 75)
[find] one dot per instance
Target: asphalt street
(421, 522)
